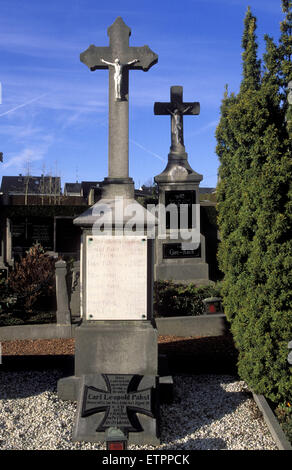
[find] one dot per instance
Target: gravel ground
(209, 412)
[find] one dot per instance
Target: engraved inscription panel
(116, 278)
(177, 250)
(118, 402)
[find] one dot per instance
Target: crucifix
(119, 58)
(176, 108)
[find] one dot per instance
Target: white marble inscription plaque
(116, 278)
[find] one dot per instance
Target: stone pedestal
(111, 347)
(117, 335)
(176, 258)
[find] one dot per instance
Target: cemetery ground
(212, 409)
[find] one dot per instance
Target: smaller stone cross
(120, 402)
(176, 108)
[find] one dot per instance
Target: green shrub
(7, 299)
(171, 300)
(284, 415)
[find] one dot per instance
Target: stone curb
(40, 331)
(201, 325)
(272, 423)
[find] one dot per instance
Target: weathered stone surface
(126, 401)
(116, 278)
(176, 108)
(178, 184)
(129, 58)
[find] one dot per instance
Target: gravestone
(180, 255)
(123, 401)
(117, 336)
(26, 231)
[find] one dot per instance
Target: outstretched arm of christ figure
(170, 112)
(186, 110)
(133, 61)
(105, 62)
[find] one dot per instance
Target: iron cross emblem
(119, 402)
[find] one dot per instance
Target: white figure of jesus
(118, 74)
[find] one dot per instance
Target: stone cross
(120, 402)
(119, 58)
(176, 108)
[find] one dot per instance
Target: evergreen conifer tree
(256, 251)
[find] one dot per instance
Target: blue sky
(54, 111)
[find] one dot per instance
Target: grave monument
(180, 258)
(116, 355)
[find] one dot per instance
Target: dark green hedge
(173, 300)
(254, 216)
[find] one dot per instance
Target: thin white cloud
(37, 45)
(201, 130)
(28, 155)
(31, 153)
(147, 150)
(23, 105)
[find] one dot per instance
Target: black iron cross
(176, 108)
(120, 402)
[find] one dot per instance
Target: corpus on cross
(119, 58)
(176, 108)
(118, 73)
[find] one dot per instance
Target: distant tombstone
(26, 231)
(178, 258)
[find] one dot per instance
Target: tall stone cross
(176, 108)
(119, 58)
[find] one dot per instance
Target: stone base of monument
(124, 401)
(180, 262)
(111, 347)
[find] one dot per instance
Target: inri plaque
(116, 278)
